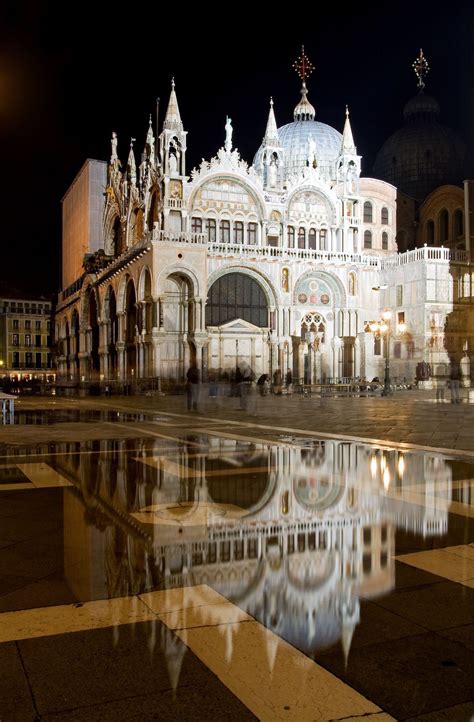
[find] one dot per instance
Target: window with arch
(443, 226)
(313, 323)
(211, 230)
(384, 216)
(291, 237)
(368, 239)
(323, 239)
(458, 223)
(430, 231)
(368, 213)
(238, 232)
(252, 234)
(196, 225)
(236, 295)
(312, 238)
(352, 284)
(301, 238)
(384, 241)
(225, 231)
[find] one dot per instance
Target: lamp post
(382, 329)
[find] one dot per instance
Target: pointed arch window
(368, 212)
(312, 238)
(301, 238)
(323, 239)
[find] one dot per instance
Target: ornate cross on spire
(421, 68)
(303, 65)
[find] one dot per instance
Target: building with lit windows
(25, 340)
(282, 262)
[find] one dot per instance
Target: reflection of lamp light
(401, 466)
(386, 478)
(373, 467)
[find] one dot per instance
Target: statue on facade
(273, 172)
(114, 142)
(228, 134)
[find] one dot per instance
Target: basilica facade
(280, 263)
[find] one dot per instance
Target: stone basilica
(280, 263)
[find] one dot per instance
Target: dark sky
(72, 73)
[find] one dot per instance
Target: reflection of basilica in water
(293, 533)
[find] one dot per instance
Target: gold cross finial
(303, 65)
(421, 68)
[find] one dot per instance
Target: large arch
(111, 318)
(338, 296)
(272, 295)
(130, 330)
(236, 295)
(238, 179)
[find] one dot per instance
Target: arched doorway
(178, 320)
(130, 331)
(75, 344)
(112, 331)
(94, 358)
(313, 329)
(238, 324)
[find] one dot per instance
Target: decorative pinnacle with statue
(228, 134)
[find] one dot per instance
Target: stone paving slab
(407, 416)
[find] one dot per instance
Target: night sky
(72, 73)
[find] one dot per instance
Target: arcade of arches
(123, 334)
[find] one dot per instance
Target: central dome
(296, 139)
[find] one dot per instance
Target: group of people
(237, 382)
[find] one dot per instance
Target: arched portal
(94, 358)
(130, 330)
(112, 331)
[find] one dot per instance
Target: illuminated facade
(280, 263)
(25, 340)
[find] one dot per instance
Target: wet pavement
(189, 566)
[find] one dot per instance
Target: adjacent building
(25, 339)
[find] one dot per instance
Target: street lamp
(382, 329)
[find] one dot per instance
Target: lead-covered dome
(296, 139)
(423, 154)
(305, 142)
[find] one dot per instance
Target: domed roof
(423, 154)
(296, 138)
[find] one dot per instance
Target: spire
(348, 145)
(271, 133)
(150, 143)
(421, 68)
(173, 118)
(304, 67)
(131, 165)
